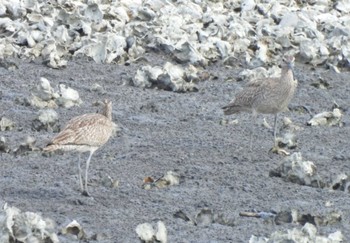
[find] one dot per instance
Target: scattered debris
(4, 148)
(266, 124)
(171, 77)
(263, 215)
(323, 220)
(98, 89)
(301, 109)
(289, 125)
(6, 124)
(17, 226)
(205, 217)
(149, 107)
(288, 140)
(27, 146)
(321, 84)
(68, 97)
(224, 121)
(99, 237)
(7, 64)
(293, 216)
(147, 234)
(47, 120)
(296, 170)
(181, 215)
(327, 118)
(306, 234)
(341, 182)
(195, 32)
(169, 179)
(259, 72)
(109, 182)
(44, 96)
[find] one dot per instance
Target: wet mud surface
(181, 132)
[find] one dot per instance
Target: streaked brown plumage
(85, 133)
(266, 96)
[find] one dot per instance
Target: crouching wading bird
(266, 96)
(85, 133)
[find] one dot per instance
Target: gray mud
(164, 131)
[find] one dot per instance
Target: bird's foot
(86, 193)
(277, 150)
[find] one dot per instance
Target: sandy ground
(181, 132)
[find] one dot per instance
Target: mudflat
(181, 132)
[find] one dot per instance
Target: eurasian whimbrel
(85, 133)
(266, 96)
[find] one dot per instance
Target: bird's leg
(252, 131)
(275, 131)
(276, 149)
(85, 191)
(252, 135)
(80, 179)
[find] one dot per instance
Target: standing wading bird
(85, 133)
(266, 96)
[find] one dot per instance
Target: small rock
(6, 124)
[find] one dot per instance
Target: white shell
(296, 169)
(25, 226)
(195, 32)
(43, 94)
(170, 77)
(343, 6)
(162, 233)
(172, 178)
(48, 116)
(308, 233)
(68, 96)
(330, 118)
(6, 124)
(145, 232)
(260, 72)
(74, 228)
(248, 5)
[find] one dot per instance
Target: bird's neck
(107, 112)
(287, 73)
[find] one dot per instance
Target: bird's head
(288, 61)
(107, 110)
